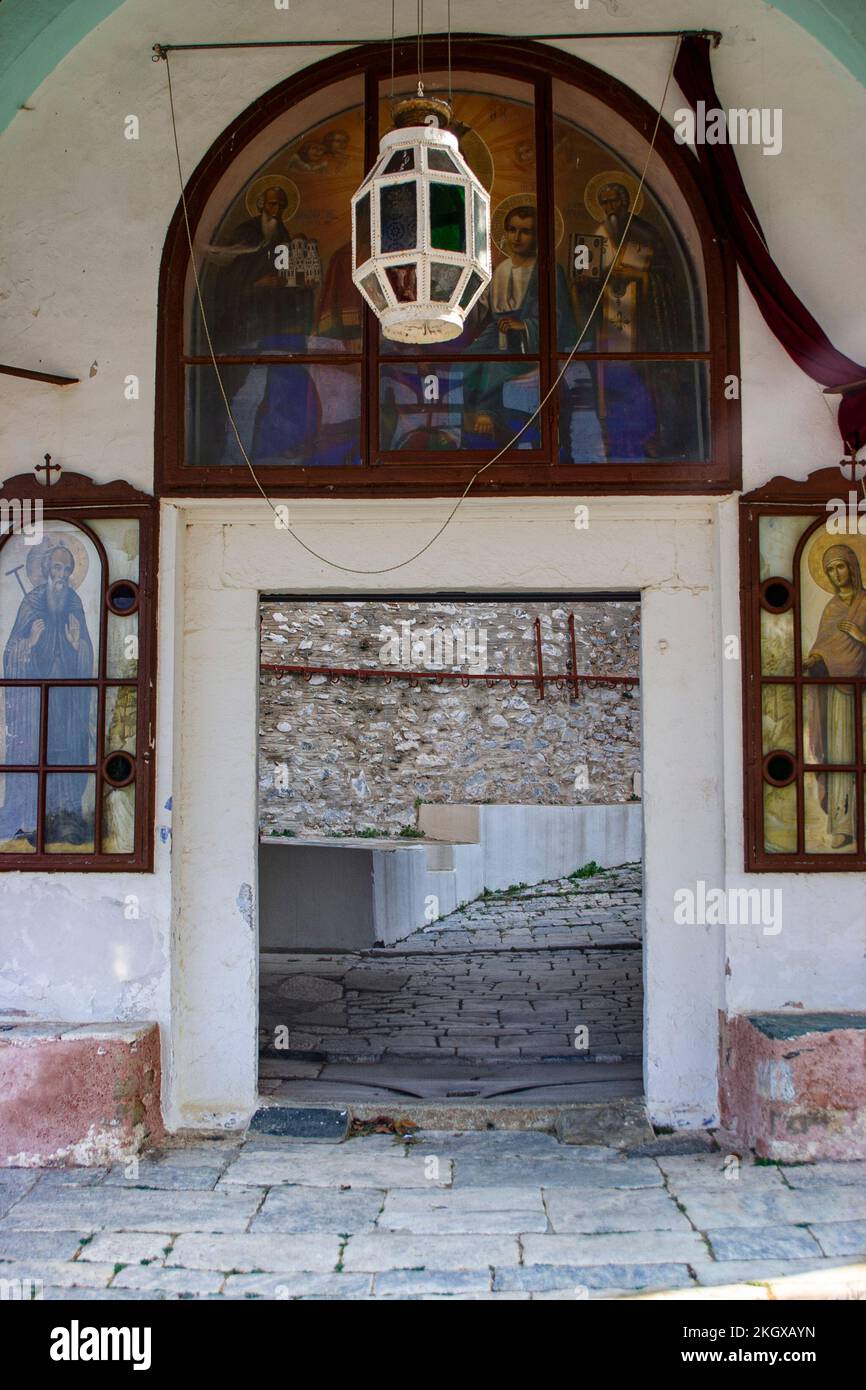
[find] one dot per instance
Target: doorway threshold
(616, 1123)
(453, 1084)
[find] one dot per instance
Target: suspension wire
(449, 52)
(390, 569)
(393, 45)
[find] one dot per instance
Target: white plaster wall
(81, 231)
(94, 946)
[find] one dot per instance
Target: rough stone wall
(354, 756)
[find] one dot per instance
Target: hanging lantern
(421, 228)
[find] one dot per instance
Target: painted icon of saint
(839, 649)
(50, 641)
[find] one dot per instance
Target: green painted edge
(43, 41)
(842, 34)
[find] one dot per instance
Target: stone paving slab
(711, 1273)
(385, 1250)
(402, 1282)
(717, 1172)
(763, 1243)
(620, 1247)
(347, 1165)
(810, 1175)
(127, 1247)
(62, 1294)
(261, 1251)
(599, 1211)
(158, 1279)
(712, 1210)
(467, 1210)
(569, 1171)
(288, 1209)
(60, 1273)
(138, 1210)
(840, 1237)
(40, 1245)
(289, 1285)
(575, 1279)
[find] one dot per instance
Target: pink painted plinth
(77, 1094)
(793, 1087)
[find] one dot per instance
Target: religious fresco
(276, 279)
(623, 411)
(275, 275)
(51, 626)
(832, 644)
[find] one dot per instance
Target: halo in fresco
(289, 187)
(818, 547)
(598, 181)
(70, 542)
(520, 200)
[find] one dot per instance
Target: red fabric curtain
(789, 320)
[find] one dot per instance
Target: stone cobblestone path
(506, 982)
(500, 1214)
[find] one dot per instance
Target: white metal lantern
(421, 228)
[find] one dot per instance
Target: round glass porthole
(777, 595)
(779, 768)
(118, 769)
(123, 597)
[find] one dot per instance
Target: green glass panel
(448, 216)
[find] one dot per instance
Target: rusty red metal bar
(540, 679)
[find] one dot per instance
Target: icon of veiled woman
(839, 649)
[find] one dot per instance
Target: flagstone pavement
(501, 1214)
(507, 979)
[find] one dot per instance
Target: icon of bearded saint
(50, 641)
(839, 649)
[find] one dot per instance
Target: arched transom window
(308, 391)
